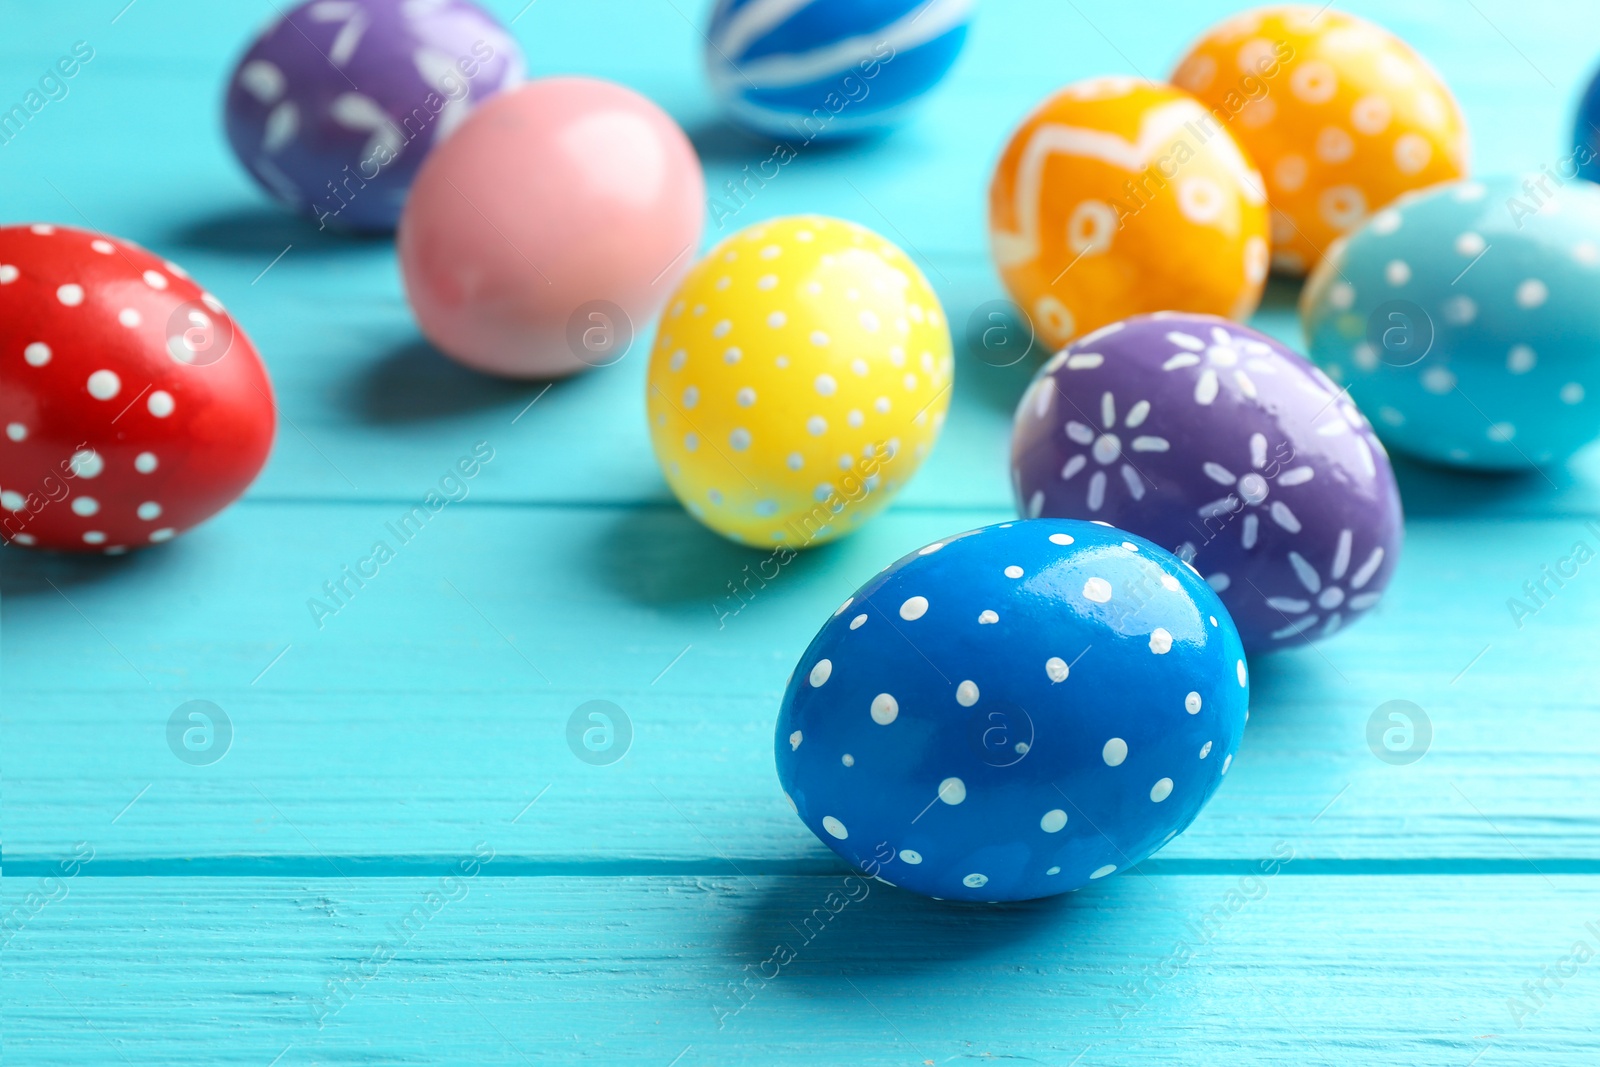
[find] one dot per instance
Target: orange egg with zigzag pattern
(1118, 197)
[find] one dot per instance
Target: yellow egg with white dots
(800, 376)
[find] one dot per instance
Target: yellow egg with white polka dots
(800, 375)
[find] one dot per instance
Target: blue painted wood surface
(290, 904)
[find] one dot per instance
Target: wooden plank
(436, 699)
(1259, 968)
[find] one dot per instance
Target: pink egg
(550, 225)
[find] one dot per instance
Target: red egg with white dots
(133, 406)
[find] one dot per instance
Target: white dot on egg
(1013, 571)
(1532, 293)
(987, 617)
(678, 359)
(1205, 750)
(739, 439)
(794, 741)
(795, 461)
(1191, 703)
(94, 537)
(857, 622)
(848, 760)
(975, 880)
(8, 274)
(928, 550)
(691, 441)
(149, 510)
(1227, 761)
(967, 694)
(1161, 790)
(745, 397)
(1060, 539)
(885, 709)
(16, 431)
(914, 608)
(1114, 752)
(1101, 872)
(1053, 870)
(1572, 393)
(777, 319)
(129, 317)
(70, 295)
(816, 426)
(821, 672)
(691, 397)
(733, 355)
(104, 384)
(1398, 272)
(37, 354)
(1160, 641)
(85, 506)
(163, 534)
(1056, 668)
(767, 281)
(825, 385)
(12, 500)
(834, 827)
(1521, 359)
(1097, 590)
(155, 279)
(86, 463)
(160, 403)
(721, 329)
(952, 791)
(1053, 821)
(911, 856)
(1469, 244)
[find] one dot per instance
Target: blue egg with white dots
(1585, 157)
(1014, 712)
(1463, 321)
(807, 70)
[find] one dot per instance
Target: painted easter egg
(1119, 196)
(809, 70)
(1224, 446)
(336, 104)
(1463, 319)
(134, 406)
(1584, 160)
(1014, 712)
(1340, 115)
(550, 226)
(800, 376)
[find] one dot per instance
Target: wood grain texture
(1244, 969)
(627, 907)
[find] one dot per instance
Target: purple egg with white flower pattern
(1014, 712)
(336, 103)
(1224, 446)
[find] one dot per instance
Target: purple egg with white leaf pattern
(336, 103)
(1226, 447)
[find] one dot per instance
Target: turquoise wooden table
(400, 860)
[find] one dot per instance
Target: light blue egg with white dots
(1465, 321)
(808, 70)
